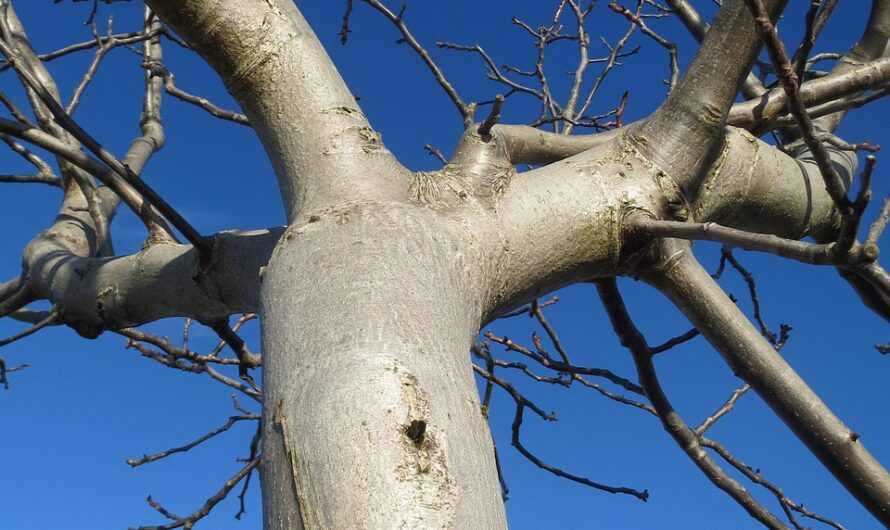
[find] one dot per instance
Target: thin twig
(521, 404)
(723, 410)
(188, 522)
(685, 437)
(5, 370)
(664, 43)
(815, 254)
(746, 275)
(565, 367)
(493, 117)
(879, 224)
(126, 177)
(159, 70)
(466, 111)
(121, 38)
(675, 341)
(135, 462)
(756, 477)
(51, 319)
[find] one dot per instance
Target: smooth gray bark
(385, 322)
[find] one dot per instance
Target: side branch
(126, 177)
(94, 294)
(758, 113)
(787, 248)
(188, 522)
(686, 438)
(521, 404)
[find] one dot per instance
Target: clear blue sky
(83, 407)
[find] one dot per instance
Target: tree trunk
(372, 414)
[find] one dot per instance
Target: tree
(373, 293)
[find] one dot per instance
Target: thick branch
(48, 321)
(166, 280)
(322, 147)
(753, 114)
(787, 193)
(679, 276)
(781, 63)
(138, 196)
(528, 145)
(872, 45)
(684, 133)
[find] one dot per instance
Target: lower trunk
(371, 413)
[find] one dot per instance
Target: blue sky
(83, 407)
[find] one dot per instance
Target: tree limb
(695, 112)
(679, 276)
(311, 127)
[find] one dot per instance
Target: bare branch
(877, 228)
(832, 140)
(246, 359)
(669, 46)
(755, 361)
(685, 437)
(563, 366)
(676, 341)
(181, 359)
(435, 152)
(753, 114)
(135, 462)
(102, 48)
(121, 39)
(494, 73)
(723, 410)
(752, 291)
(159, 70)
(757, 478)
(521, 404)
(528, 309)
(44, 173)
(48, 321)
(5, 370)
(188, 522)
(699, 104)
(690, 18)
(493, 118)
(466, 111)
(787, 248)
(15, 298)
(175, 353)
(254, 455)
(344, 28)
(121, 170)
